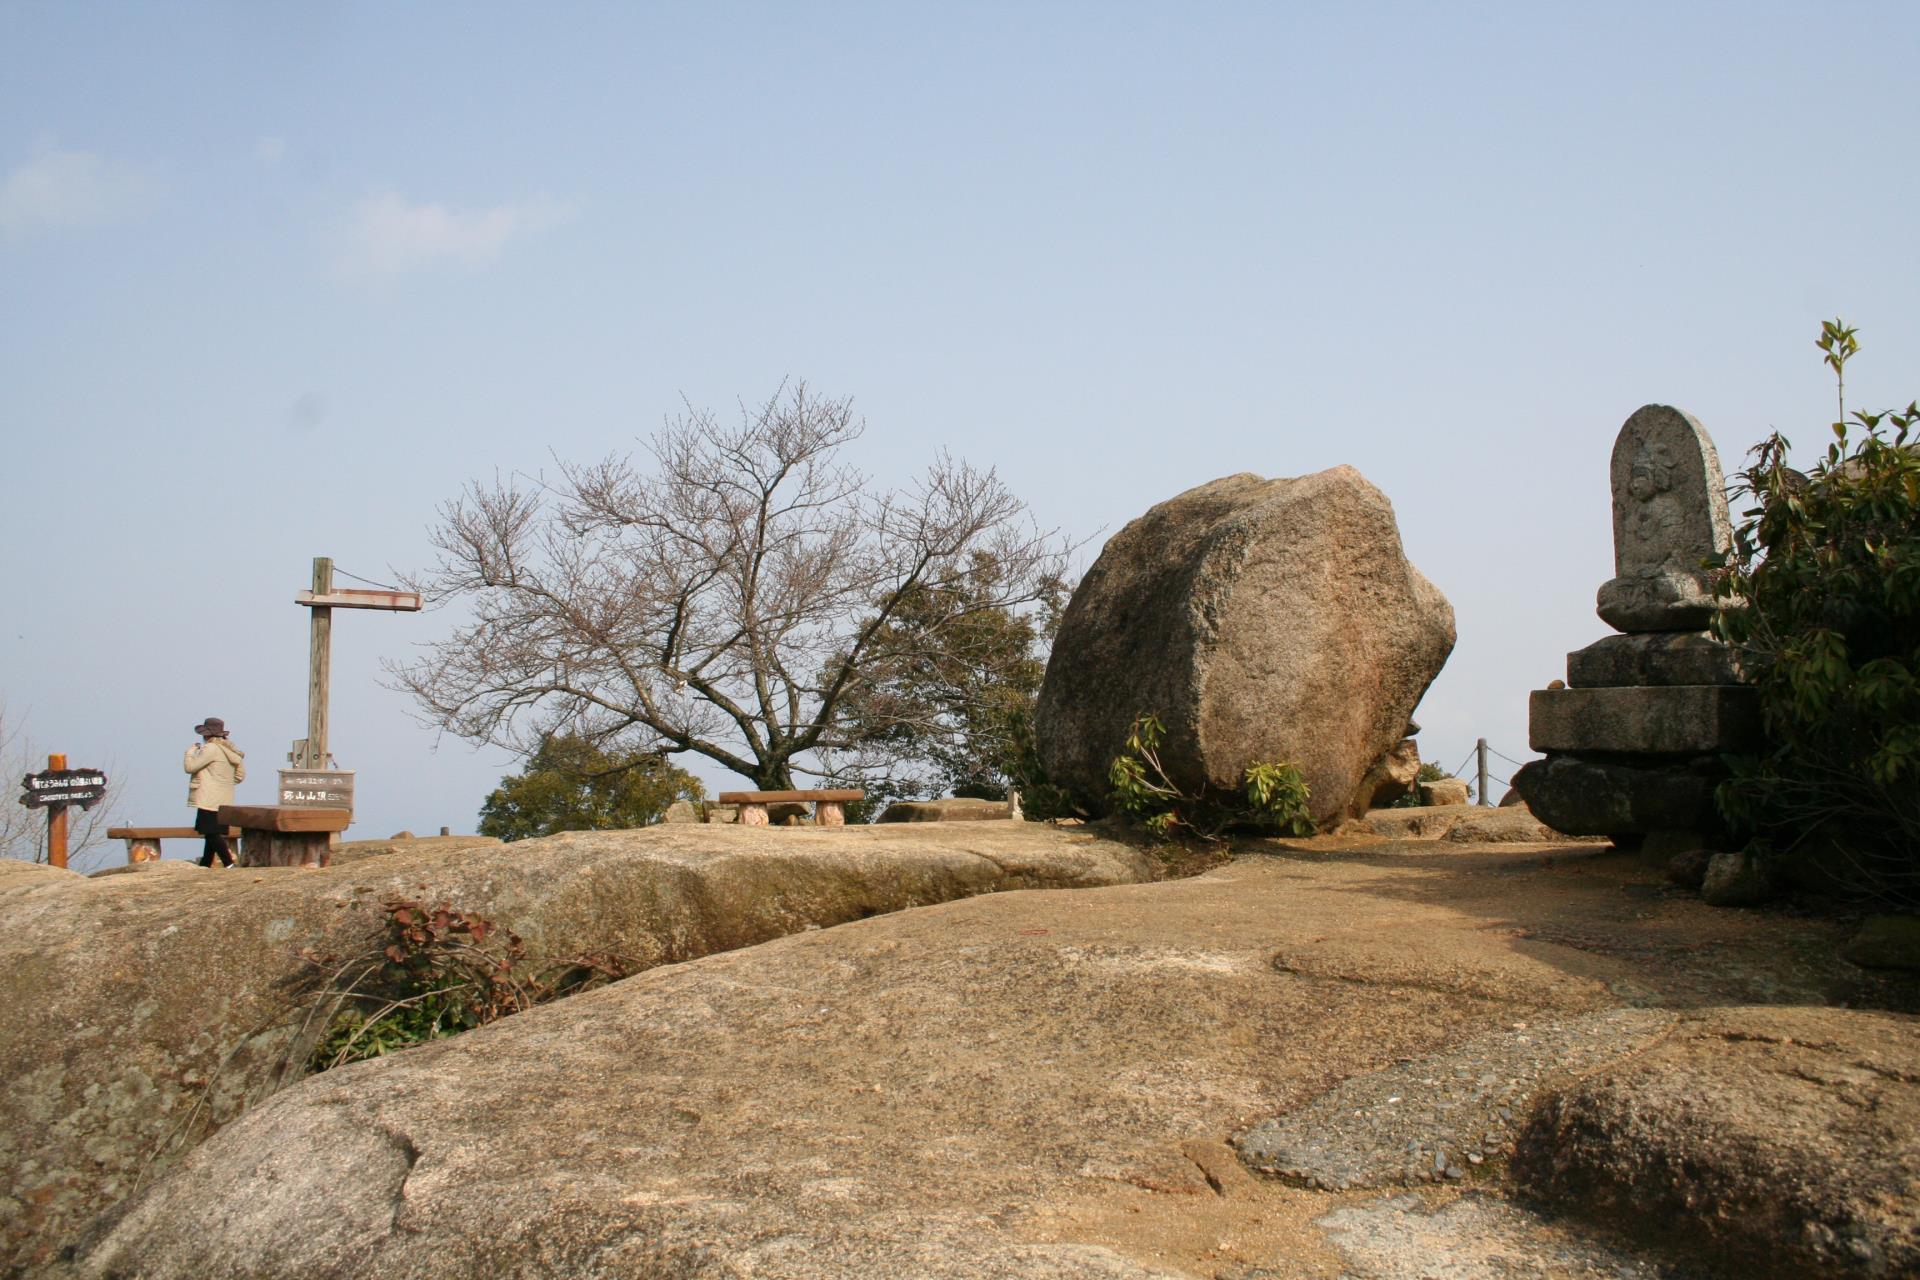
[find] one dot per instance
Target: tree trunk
(776, 778)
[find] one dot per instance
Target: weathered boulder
(1261, 621)
(681, 811)
(1735, 878)
(1391, 777)
(147, 1008)
(1779, 1139)
(951, 809)
(1886, 942)
(1437, 792)
(1458, 823)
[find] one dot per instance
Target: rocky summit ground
(1316, 1061)
(150, 1005)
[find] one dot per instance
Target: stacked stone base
(1633, 745)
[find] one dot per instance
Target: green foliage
(1821, 597)
(438, 973)
(572, 785)
(1273, 797)
(946, 704)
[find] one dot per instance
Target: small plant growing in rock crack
(1272, 799)
(439, 971)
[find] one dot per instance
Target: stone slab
(1652, 658)
(1674, 720)
(951, 809)
(1609, 798)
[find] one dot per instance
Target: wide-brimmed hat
(214, 727)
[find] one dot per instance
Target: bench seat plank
(789, 797)
(268, 817)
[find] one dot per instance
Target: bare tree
(729, 601)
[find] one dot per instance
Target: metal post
(1481, 750)
(319, 668)
(56, 822)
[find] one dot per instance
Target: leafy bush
(439, 972)
(1821, 598)
(1273, 797)
(570, 784)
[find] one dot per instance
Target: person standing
(213, 766)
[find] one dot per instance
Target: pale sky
(275, 280)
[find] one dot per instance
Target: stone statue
(1635, 738)
(1669, 521)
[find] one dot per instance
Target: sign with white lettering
(316, 789)
(84, 787)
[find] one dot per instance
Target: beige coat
(212, 769)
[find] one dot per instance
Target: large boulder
(150, 1007)
(1261, 621)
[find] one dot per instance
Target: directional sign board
(316, 789)
(84, 787)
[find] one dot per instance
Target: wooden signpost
(310, 753)
(55, 789)
(316, 789)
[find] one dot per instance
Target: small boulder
(1688, 868)
(1444, 791)
(1262, 621)
(1886, 942)
(1735, 879)
(681, 811)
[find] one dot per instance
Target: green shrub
(1821, 598)
(1273, 797)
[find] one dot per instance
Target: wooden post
(56, 822)
(1481, 748)
(319, 668)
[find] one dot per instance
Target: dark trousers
(207, 823)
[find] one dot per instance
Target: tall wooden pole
(319, 667)
(56, 822)
(1480, 748)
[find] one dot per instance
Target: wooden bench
(143, 843)
(283, 836)
(828, 806)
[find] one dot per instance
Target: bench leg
(142, 851)
(753, 815)
(829, 813)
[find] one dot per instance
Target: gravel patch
(1443, 1117)
(1476, 1237)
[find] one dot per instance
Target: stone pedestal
(1633, 745)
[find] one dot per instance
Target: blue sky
(276, 280)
